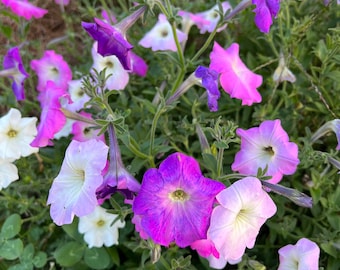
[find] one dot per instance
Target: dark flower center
(269, 150)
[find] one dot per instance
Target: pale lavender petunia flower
(73, 191)
(160, 37)
(52, 67)
(212, 17)
(301, 256)
(14, 69)
(25, 9)
(175, 202)
(235, 223)
(266, 146)
(236, 79)
(210, 83)
(265, 11)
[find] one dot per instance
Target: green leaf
(97, 258)
(40, 259)
(11, 249)
(11, 227)
(69, 254)
(72, 231)
(28, 253)
(114, 255)
(210, 162)
(6, 30)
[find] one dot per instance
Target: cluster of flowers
(174, 203)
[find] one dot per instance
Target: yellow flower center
(109, 64)
(100, 223)
(179, 195)
(12, 133)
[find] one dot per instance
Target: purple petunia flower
(303, 255)
(209, 81)
(266, 146)
(265, 11)
(236, 79)
(175, 202)
(15, 70)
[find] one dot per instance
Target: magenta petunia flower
(14, 69)
(210, 83)
(52, 67)
(25, 9)
(235, 223)
(52, 118)
(175, 201)
(160, 37)
(303, 255)
(236, 79)
(266, 146)
(73, 191)
(265, 11)
(139, 66)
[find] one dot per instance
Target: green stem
(205, 45)
(220, 162)
(153, 128)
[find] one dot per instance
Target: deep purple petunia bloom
(14, 67)
(209, 81)
(175, 201)
(265, 11)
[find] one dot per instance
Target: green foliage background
(308, 35)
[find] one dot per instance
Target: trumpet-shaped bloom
(236, 79)
(119, 77)
(160, 37)
(303, 255)
(175, 201)
(52, 67)
(235, 223)
(73, 191)
(139, 66)
(84, 131)
(212, 17)
(210, 83)
(16, 134)
(13, 64)
(8, 173)
(77, 95)
(25, 9)
(282, 72)
(266, 146)
(111, 42)
(100, 228)
(52, 118)
(265, 11)
(333, 125)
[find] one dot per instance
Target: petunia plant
(169, 134)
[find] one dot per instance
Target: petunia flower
(111, 39)
(8, 173)
(330, 126)
(73, 191)
(77, 95)
(52, 118)
(212, 17)
(100, 228)
(301, 256)
(16, 134)
(62, 2)
(160, 37)
(235, 223)
(210, 83)
(266, 146)
(189, 19)
(25, 9)
(117, 178)
(14, 69)
(175, 201)
(85, 131)
(118, 76)
(265, 11)
(52, 67)
(138, 65)
(236, 79)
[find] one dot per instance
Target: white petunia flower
(100, 228)
(8, 173)
(16, 134)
